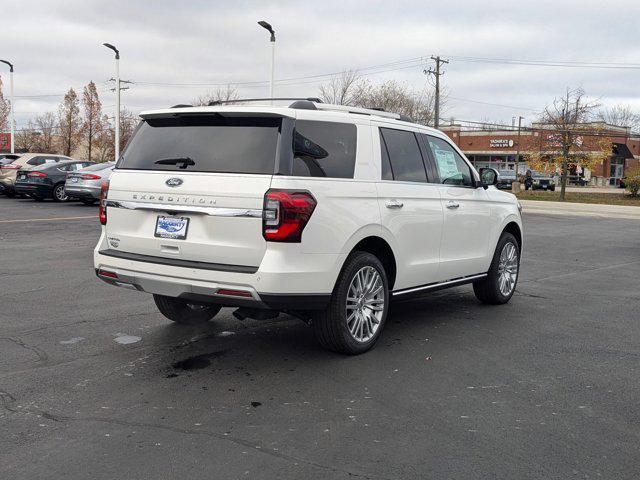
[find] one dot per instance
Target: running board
(438, 285)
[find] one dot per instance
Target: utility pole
(437, 73)
(518, 145)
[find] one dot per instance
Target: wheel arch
(514, 229)
(379, 247)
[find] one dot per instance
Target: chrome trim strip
(441, 284)
(166, 207)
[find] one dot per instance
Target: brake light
(286, 213)
(36, 174)
(9, 167)
(90, 176)
(102, 206)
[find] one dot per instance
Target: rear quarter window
(324, 149)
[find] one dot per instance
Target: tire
(491, 289)
(10, 194)
(58, 193)
(181, 311)
(333, 327)
(88, 201)
(553, 189)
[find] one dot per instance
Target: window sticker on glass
(447, 166)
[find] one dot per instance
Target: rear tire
(58, 193)
(499, 285)
(183, 312)
(355, 317)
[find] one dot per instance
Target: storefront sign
(500, 143)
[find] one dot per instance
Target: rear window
(97, 167)
(212, 143)
(324, 149)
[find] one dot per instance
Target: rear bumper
(78, 191)
(211, 292)
(285, 279)
(30, 189)
(6, 185)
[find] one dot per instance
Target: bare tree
(104, 141)
(69, 122)
(27, 138)
(342, 89)
(46, 125)
(350, 89)
(219, 94)
(5, 109)
(92, 116)
(565, 117)
(620, 115)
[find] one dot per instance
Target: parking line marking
(23, 220)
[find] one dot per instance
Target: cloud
(56, 46)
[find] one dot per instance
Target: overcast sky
(56, 45)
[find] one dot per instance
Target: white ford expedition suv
(320, 211)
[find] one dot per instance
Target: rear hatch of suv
(191, 187)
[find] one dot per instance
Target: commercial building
(498, 148)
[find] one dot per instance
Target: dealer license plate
(172, 227)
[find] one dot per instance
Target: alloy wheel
(365, 304)
(508, 269)
(60, 193)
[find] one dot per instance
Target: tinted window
(385, 165)
(452, 168)
(324, 149)
(98, 166)
(404, 155)
(204, 144)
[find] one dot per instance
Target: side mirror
(488, 176)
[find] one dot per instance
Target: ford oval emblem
(174, 182)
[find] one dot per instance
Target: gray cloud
(56, 46)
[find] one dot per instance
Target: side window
(387, 173)
(404, 154)
(65, 167)
(452, 168)
(36, 161)
(324, 149)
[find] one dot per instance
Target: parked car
(85, 184)
(48, 180)
(506, 178)
(325, 212)
(7, 158)
(28, 161)
(539, 181)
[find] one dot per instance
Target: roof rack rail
(358, 110)
(182, 105)
(241, 100)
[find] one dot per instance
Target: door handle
(452, 204)
(394, 204)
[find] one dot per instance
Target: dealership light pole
(13, 149)
(270, 29)
(117, 140)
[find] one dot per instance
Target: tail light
(102, 206)
(36, 174)
(9, 167)
(286, 213)
(90, 176)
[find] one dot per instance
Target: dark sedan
(48, 181)
(505, 179)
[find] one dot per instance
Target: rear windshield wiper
(185, 161)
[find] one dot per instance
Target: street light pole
(270, 29)
(117, 139)
(13, 148)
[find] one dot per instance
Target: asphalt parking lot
(94, 383)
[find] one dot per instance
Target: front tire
(499, 285)
(183, 312)
(355, 317)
